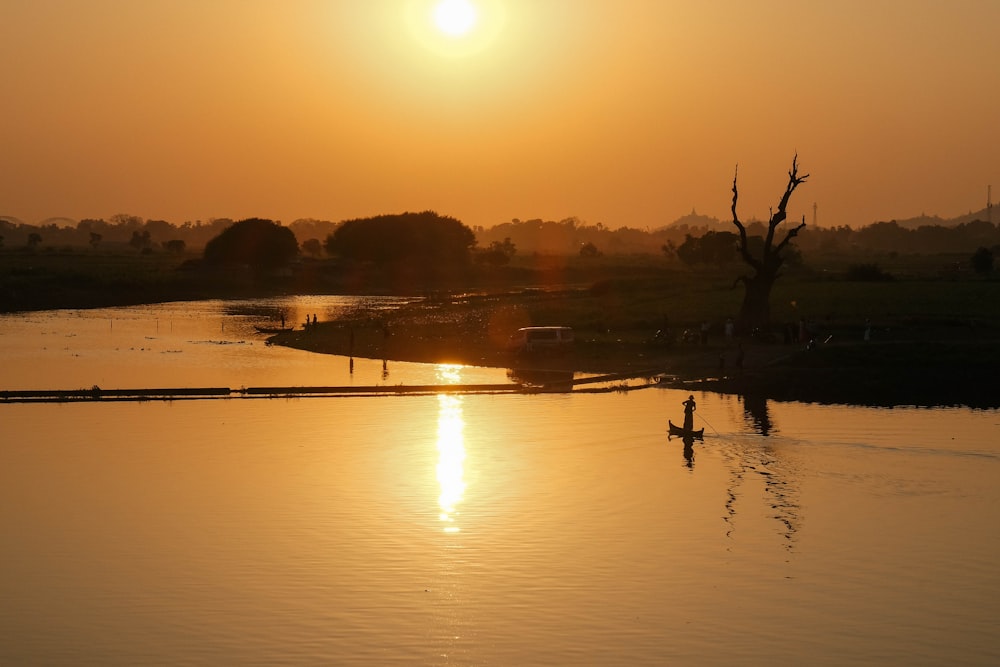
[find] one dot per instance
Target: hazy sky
(623, 112)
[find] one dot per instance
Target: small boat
(273, 330)
(683, 432)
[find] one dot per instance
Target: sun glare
(455, 17)
(456, 28)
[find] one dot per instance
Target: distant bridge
(614, 382)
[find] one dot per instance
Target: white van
(529, 339)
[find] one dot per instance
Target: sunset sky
(623, 112)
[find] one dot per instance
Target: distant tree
(669, 249)
(688, 252)
(1, 240)
(713, 248)
(506, 246)
(126, 221)
(719, 247)
(982, 260)
(175, 246)
(499, 253)
(588, 249)
(422, 238)
(756, 309)
(141, 240)
(34, 238)
(95, 240)
(255, 242)
(312, 247)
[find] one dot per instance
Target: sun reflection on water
(451, 449)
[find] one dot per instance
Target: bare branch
(794, 181)
(792, 233)
(736, 194)
(744, 250)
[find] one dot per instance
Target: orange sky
(623, 112)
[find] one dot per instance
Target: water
(470, 529)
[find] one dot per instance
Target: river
(467, 529)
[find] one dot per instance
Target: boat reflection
(689, 451)
(451, 449)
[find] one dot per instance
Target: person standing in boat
(689, 407)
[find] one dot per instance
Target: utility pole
(814, 215)
(989, 204)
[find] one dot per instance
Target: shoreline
(924, 360)
(923, 373)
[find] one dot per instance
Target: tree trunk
(755, 313)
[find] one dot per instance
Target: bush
(870, 273)
(982, 260)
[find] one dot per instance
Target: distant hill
(936, 221)
(695, 220)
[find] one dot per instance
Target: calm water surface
(468, 529)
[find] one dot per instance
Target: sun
(455, 28)
(455, 17)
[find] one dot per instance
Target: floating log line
(201, 393)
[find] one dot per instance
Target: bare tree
(755, 313)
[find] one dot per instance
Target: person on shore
(689, 407)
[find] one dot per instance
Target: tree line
(692, 238)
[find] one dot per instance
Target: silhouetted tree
(175, 246)
(312, 247)
(424, 238)
(95, 240)
(713, 248)
(255, 242)
(34, 238)
(756, 309)
(140, 239)
(497, 254)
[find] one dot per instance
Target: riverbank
(922, 366)
(935, 341)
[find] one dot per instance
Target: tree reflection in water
(750, 457)
(756, 414)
